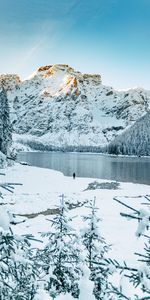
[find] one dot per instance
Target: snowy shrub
(61, 256)
(17, 269)
(103, 185)
(96, 249)
(140, 275)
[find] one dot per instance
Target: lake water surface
(129, 169)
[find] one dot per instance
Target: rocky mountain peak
(64, 69)
(50, 70)
(61, 80)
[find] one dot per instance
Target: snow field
(41, 190)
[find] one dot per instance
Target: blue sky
(109, 37)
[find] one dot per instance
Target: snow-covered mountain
(60, 107)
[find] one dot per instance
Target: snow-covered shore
(41, 188)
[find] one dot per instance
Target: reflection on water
(130, 169)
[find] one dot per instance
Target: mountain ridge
(61, 107)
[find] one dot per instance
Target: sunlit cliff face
(62, 79)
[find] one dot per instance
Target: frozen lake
(129, 169)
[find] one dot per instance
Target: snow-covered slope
(135, 140)
(60, 107)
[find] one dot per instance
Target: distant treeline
(37, 145)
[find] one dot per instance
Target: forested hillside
(135, 140)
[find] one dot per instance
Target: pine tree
(5, 126)
(96, 248)
(17, 269)
(61, 256)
